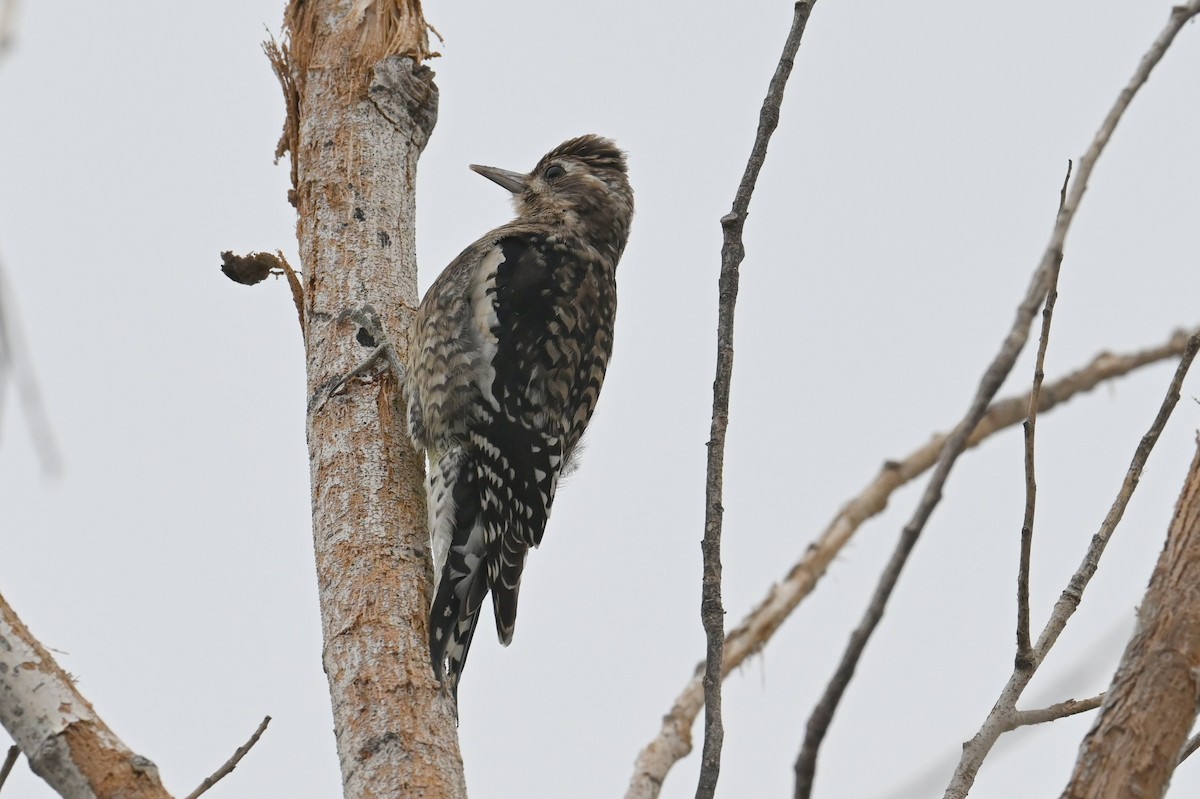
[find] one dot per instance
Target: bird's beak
(513, 181)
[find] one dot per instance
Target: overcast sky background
(908, 194)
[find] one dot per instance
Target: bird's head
(582, 183)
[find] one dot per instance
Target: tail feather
(515, 508)
(507, 587)
(461, 582)
(450, 633)
(485, 514)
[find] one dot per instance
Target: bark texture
(361, 109)
(67, 744)
(1151, 705)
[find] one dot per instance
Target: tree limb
(1189, 748)
(10, 760)
(1134, 746)
(232, 762)
(712, 613)
(67, 744)
(975, 750)
(999, 369)
(674, 740)
(1071, 707)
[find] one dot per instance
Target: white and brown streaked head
(582, 183)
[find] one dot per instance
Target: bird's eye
(554, 171)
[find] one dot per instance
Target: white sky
(908, 193)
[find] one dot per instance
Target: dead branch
(252, 269)
(1135, 744)
(975, 750)
(8, 25)
(999, 369)
(712, 614)
(10, 760)
(1071, 707)
(1189, 748)
(674, 739)
(67, 744)
(1030, 427)
(232, 762)
(16, 363)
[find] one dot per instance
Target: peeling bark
(361, 109)
(67, 744)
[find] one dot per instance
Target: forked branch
(674, 739)
(998, 720)
(1151, 703)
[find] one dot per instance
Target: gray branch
(732, 252)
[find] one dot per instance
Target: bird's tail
(515, 507)
(460, 564)
(511, 562)
(484, 516)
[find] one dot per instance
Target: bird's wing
(518, 441)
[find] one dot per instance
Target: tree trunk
(1150, 706)
(360, 110)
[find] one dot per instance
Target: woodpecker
(508, 355)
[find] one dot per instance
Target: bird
(505, 364)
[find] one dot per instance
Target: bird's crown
(593, 151)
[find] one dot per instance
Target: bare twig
(232, 762)
(14, 361)
(732, 252)
(978, 747)
(993, 378)
(1071, 707)
(674, 741)
(998, 370)
(1189, 748)
(8, 24)
(1132, 749)
(293, 280)
(10, 760)
(1030, 426)
(975, 750)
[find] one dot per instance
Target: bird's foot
(370, 334)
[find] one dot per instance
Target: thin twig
(733, 251)
(1189, 748)
(1030, 426)
(978, 747)
(294, 284)
(999, 369)
(975, 750)
(14, 361)
(232, 762)
(8, 25)
(674, 740)
(10, 760)
(1071, 707)
(993, 378)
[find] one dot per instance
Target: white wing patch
(484, 321)
(442, 510)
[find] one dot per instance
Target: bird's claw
(370, 334)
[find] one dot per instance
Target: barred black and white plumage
(509, 352)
